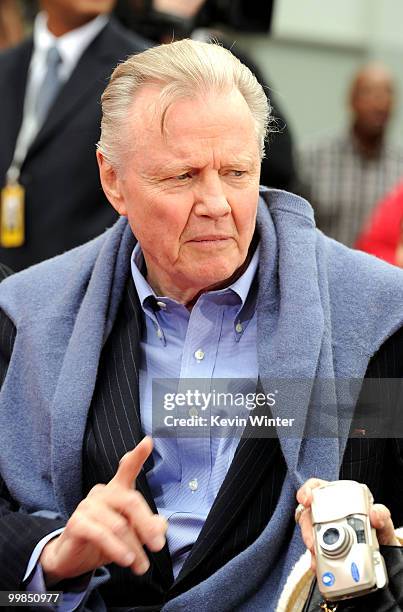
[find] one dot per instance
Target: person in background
(346, 175)
(205, 276)
(383, 233)
(11, 24)
(49, 123)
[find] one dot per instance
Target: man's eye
(237, 173)
(183, 177)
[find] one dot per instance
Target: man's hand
(379, 517)
(110, 525)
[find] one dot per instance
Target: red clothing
(381, 234)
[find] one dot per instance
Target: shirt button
(199, 354)
(159, 332)
(193, 484)
(193, 412)
(239, 327)
(162, 305)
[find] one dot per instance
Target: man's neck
(237, 274)
(189, 296)
(60, 23)
(368, 145)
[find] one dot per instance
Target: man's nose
(211, 200)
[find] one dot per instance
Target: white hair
(185, 68)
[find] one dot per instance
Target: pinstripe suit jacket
(244, 504)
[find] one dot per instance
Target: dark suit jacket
(65, 205)
(246, 499)
(4, 271)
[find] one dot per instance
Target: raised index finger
(130, 465)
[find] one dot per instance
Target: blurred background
(309, 49)
(314, 49)
(339, 128)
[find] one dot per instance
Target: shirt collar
(241, 287)
(144, 291)
(72, 44)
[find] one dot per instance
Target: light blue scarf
(326, 314)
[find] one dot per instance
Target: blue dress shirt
(216, 339)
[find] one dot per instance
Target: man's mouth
(210, 238)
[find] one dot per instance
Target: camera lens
(331, 536)
(336, 540)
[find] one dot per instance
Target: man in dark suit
(48, 145)
(204, 276)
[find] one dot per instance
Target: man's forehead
(194, 132)
(151, 107)
(178, 152)
(372, 76)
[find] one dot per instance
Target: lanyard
(27, 133)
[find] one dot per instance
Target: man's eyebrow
(166, 170)
(240, 161)
(178, 167)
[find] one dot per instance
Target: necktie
(50, 86)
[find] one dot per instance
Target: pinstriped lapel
(115, 411)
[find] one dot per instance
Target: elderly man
(203, 278)
(345, 175)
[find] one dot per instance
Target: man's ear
(111, 184)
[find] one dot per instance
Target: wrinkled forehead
(157, 107)
(195, 130)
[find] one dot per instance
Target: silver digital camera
(348, 561)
